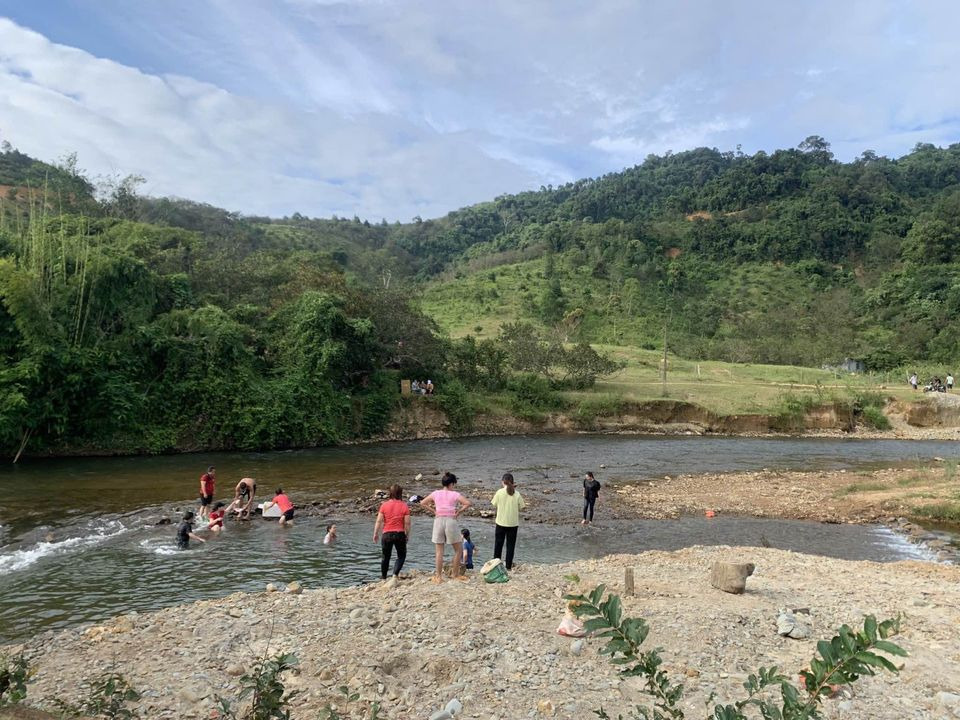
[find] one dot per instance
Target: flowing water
(78, 540)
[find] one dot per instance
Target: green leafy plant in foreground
(268, 697)
(842, 660)
(108, 698)
(14, 673)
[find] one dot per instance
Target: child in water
(281, 500)
(468, 548)
(185, 532)
(331, 535)
(216, 517)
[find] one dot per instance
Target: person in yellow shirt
(508, 503)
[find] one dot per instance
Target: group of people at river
(391, 528)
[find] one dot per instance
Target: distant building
(849, 365)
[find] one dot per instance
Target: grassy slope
(479, 303)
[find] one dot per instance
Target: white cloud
(388, 108)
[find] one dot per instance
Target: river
(78, 540)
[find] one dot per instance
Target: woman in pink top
(446, 505)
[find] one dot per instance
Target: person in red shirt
(394, 519)
(286, 507)
(216, 518)
(207, 481)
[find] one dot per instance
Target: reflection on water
(77, 541)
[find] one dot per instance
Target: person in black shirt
(185, 532)
(591, 491)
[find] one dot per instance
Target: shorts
(206, 500)
(288, 515)
(446, 531)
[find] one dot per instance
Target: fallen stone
(546, 707)
(948, 699)
(731, 577)
(271, 587)
(576, 647)
(294, 588)
(789, 626)
(454, 707)
(441, 715)
(236, 669)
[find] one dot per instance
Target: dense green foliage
(123, 335)
(133, 323)
(842, 660)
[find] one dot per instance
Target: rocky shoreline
(413, 647)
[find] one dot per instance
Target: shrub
(14, 673)
(874, 417)
(848, 656)
(532, 396)
(457, 404)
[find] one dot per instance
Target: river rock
(441, 715)
(789, 626)
(294, 588)
(454, 707)
(271, 587)
(546, 707)
(731, 577)
(948, 699)
(576, 647)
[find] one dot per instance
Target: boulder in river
(731, 577)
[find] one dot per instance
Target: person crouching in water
(394, 519)
(243, 497)
(185, 531)
(216, 517)
(286, 507)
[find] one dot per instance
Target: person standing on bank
(508, 503)
(446, 505)
(394, 519)
(591, 491)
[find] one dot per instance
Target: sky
(390, 109)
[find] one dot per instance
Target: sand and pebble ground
(416, 646)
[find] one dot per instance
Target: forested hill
(143, 323)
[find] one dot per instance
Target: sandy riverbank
(494, 647)
(824, 496)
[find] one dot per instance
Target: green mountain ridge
(141, 323)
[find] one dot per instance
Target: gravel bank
(494, 647)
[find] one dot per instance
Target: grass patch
(591, 408)
(913, 481)
(861, 487)
(941, 512)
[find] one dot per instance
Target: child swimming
(331, 535)
(185, 532)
